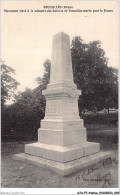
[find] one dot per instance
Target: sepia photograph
(59, 97)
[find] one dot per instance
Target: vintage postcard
(59, 97)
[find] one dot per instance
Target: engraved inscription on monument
(62, 140)
(53, 108)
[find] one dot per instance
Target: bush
(111, 118)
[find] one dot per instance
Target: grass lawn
(17, 174)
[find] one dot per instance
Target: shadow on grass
(108, 139)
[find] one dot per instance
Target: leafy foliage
(42, 82)
(8, 83)
(25, 114)
(98, 82)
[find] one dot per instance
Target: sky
(26, 37)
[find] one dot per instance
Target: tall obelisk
(62, 122)
(62, 141)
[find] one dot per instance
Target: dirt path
(23, 175)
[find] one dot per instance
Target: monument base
(63, 168)
(62, 154)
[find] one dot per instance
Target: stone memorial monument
(62, 141)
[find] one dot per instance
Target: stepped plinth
(62, 140)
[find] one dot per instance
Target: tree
(29, 108)
(98, 82)
(8, 83)
(42, 82)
